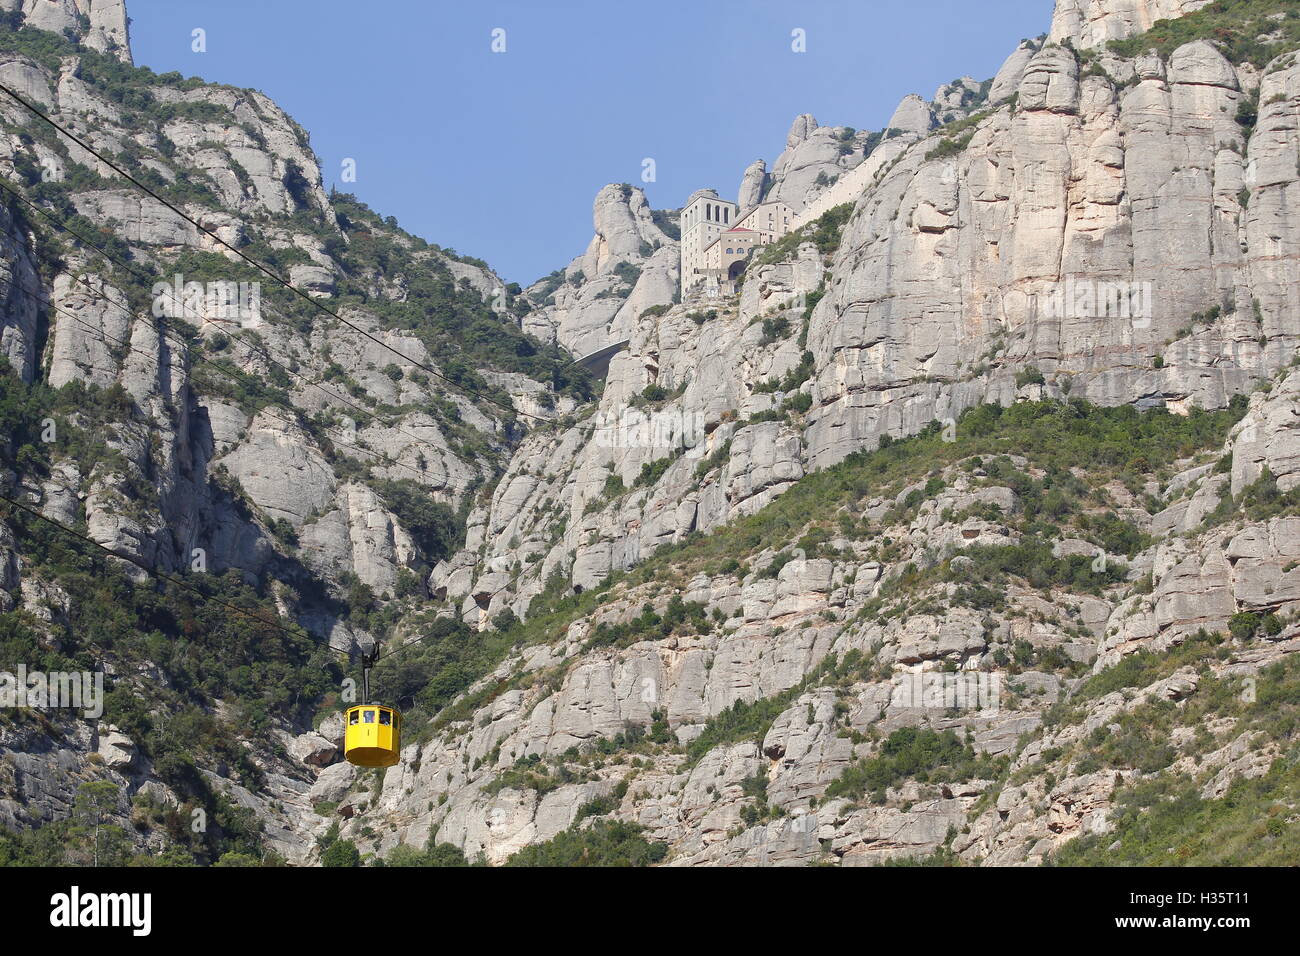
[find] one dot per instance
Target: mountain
(100, 25)
(967, 532)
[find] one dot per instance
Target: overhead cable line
(258, 265)
(125, 343)
(332, 394)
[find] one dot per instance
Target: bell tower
(704, 219)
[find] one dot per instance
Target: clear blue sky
(499, 155)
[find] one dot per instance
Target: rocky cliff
(1093, 23)
(949, 280)
(965, 527)
(306, 453)
(102, 25)
(1074, 169)
(738, 726)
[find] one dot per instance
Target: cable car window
(385, 717)
(370, 716)
(352, 717)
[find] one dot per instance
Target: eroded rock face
(550, 514)
(280, 469)
(1007, 81)
(629, 266)
(213, 449)
(95, 325)
(18, 307)
(912, 116)
(814, 158)
(752, 186)
(773, 632)
(700, 807)
(100, 24)
(1267, 439)
(1094, 23)
(946, 258)
(142, 219)
(1077, 186)
(941, 287)
(952, 275)
(359, 532)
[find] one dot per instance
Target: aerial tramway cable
(387, 746)
(258, 265)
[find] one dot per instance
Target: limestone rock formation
(1007, 81)
(198, 443)
(912, 116)
(18, 307)
(814, 158)
(1092, 23)
(1077, 227)
(629, 266)
(752, 186)
(100, 24)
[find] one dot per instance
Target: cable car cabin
(373, 736)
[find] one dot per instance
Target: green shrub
(923, 755)
(951, 146)
(774, 329)
(605, 843)
(652, 471)
(1029, 376)
(1234, 26)
(435, 528)
(614, 486)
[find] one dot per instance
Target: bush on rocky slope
(1169, 820)
(1247, 31)
(1116, 443)
(920, 754)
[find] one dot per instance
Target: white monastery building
(718, 237)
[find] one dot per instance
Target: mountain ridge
(694, 616)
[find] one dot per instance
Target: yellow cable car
(373, 735)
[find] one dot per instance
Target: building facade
(769, 219)
(702, 222)
(716, 242)
(725, 258)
